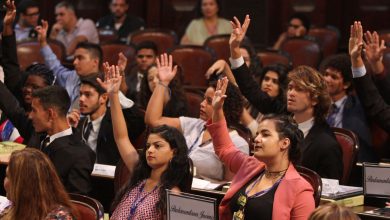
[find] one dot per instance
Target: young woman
(207, 24)
(266, 184)
(34, 188)
(199, 144)
(163, 163)
(175, 105)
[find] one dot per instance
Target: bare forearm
(377, 67)
(155, 106)
(218, 115)
(357, 62)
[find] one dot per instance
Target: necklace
(274, 174)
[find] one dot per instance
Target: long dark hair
(177, 173)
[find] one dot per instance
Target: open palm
(112, 78)
(219, 95)
(356, 40)
(238, 32)
(165, 71)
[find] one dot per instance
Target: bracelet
(166, 87)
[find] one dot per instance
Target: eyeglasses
(142, 56)
(295, 26)
(32, 14)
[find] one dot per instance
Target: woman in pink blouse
(266, 184)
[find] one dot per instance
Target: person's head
(248, 52)
(146, 53)
(28, 13)
(273, 80)
(93, 98)
(208, 8)
(37, 76)
(307, 94)
(30, 176)
(338, 75)
(165, 149)
(277, 138)
(48, 106)
(88, 58)
(298, 25)
(119, 8)
(65, 14)
(333, 211)
(232, 107)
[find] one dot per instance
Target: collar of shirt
(341, 102)
(95, 123)
(306, 126)
(63, 133)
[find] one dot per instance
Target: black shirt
(257, 206)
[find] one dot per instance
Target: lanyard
(262, 192)
(139, 200)
(196, 140)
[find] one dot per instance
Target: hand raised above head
(218, 67)
(42, 31)
(165, 71)
(219, 95)
(10, 15)
(112, 78)
(238, 32)
(374, 47)
(122, 62)
(356, 40)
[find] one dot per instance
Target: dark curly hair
(255, 67)
(176, 175)
(234, 103)
(41, 70)
(282, 72)
(342, 63)
(312, 81)
(287, 128)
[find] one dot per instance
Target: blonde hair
(333, 211)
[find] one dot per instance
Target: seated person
(28, 19)
(46, 128)
(145, 56)
(175, 105)
(198, 139)
(307, 100)
(266, 184)
(30, 176)
(333, 211)
(298, 26)
(163, 163)
(120, 21)
(70, 30)
(207, 24)
(346, 111)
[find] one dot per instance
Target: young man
(46, 128)
(307, 99)
(346, 110)
(96, 128)
(88, 59)
(146, 53)
(120, 21)
(28, 20)
(70, 30)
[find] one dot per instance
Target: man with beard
(28, 20)
(96, 128)
(120, 21)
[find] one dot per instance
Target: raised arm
(154, 110)
(111, 84)
(221, 66)
(237, 36)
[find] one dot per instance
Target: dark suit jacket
(321, 152)
(106, 149)
(131, 23)
(252, 91)
(72, 159)
(374, 105)
(354, 119)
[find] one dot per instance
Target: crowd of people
(94, 112)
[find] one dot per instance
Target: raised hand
(374, 48)
(42, 32)
(165, 71)
(218, 67)
(356, 40)
(9, 17)
(238, 32)
(219, 95)
(112, 78)
(122, 62)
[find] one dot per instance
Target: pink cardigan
(294, 196)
